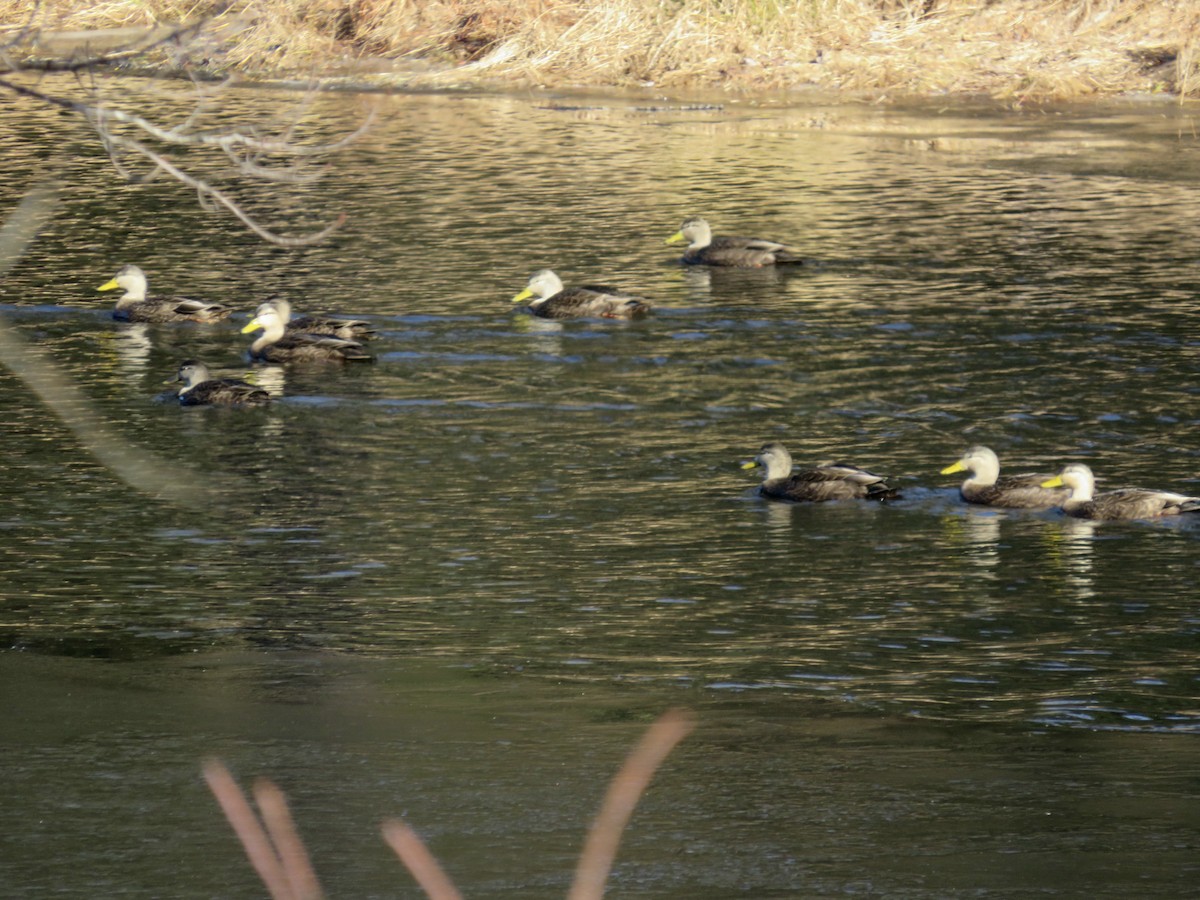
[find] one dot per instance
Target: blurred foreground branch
(169, 481)
(262, 151)
(275, 851)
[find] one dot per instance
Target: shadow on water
(456, 583)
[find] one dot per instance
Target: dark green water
(456, 585)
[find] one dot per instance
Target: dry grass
(1012, 49)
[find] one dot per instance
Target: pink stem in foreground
(420, 862)
(281, 830)
(246, 825)
(626, 789)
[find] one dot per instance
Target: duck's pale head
(1077, 477)
(542, 285)
(191, 372)
(980, 461)
(695, 231)
(268, 318)
(131, 279)
(774, 458)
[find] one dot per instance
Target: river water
(457, 584)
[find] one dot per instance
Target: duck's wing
(350, 329)
(1021, 491)
(730, 242)
(848, 472)
(835, 481)
(196, 310)
(224, 392)
(1138, 503)
(302, 345)
(595, 301)
(170, 309)
(743, 253)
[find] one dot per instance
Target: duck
(277, 345)
(1126, 503)
(553, 301)
(734, 252)
(828, 481)
(350, 329)
(985, 486)
(135, 306)
(201, 389)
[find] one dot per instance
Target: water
(457, 584)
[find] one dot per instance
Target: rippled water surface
(456, 584)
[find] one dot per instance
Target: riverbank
(1015, 51)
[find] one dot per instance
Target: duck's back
(593, 300)
(171, 309)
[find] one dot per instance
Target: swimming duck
(201, 389)
(553, 301)
(985, 486)
(1126, 503)
(350, 329)
(274, 345)
(135, 306)
(736, 252)
(833, 481)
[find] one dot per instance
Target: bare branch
(23, 33)
(626, 789)
(282, 831)
(249, 831)
(424, 867)
(24, 222)
(147, 40)
(222, 139)
(207, 191)
(136, 467)
(246, 148)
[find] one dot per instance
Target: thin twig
(131, 50)
(290, 849)
(626, 789)
(187, 138)
(248, 829)
(23, 32)
(207, 190)
(412, 851)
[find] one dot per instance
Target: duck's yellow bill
(1056, 481)
(109, 286)
(675, 238)
(750, 464)
(524, 295)
(252, 325)
(954, 467)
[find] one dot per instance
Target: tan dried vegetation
(1010, 49)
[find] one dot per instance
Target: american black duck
(735, 252)
(135, 306)
(552, 301)
(987, 487)
(1126, 503)
(201, 389)
(834, 481)
(280, 346)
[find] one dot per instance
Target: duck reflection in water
(1071, 546)
(983, 540)
(134, 345)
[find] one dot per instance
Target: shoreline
(1013, 52)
